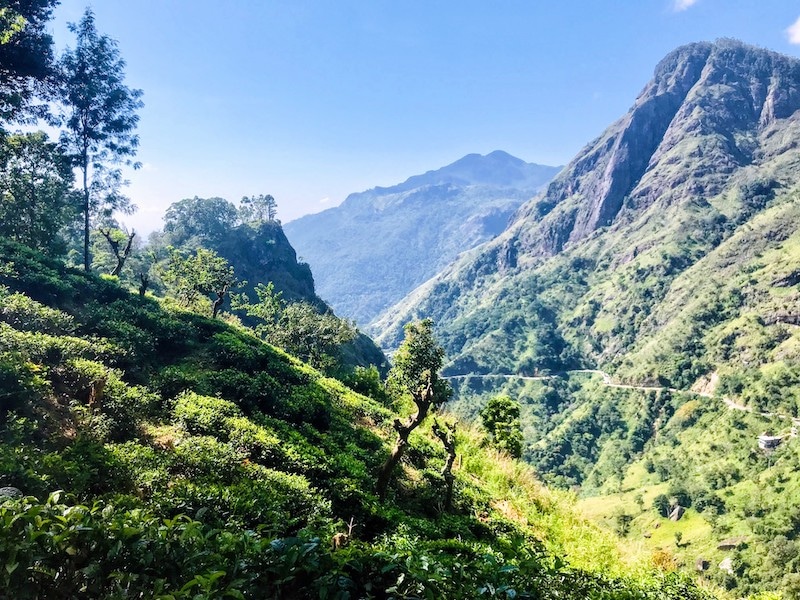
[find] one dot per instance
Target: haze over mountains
(380, 244)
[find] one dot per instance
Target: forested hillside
(197, 461)
(170, 431)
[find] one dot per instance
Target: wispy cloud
(793, 32)
(681, 5)
(325, 200)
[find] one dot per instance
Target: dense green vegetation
(197, 461)
(156, 441)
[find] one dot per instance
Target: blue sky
(309, 100)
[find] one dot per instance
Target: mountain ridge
(690, 161)
(667, 269)
(379, 244)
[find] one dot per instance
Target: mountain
(708, 145)
(380, 244)
(666, 254)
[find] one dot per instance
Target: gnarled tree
(447, 435)
(416, 373)
(194, 276)
(116, 238)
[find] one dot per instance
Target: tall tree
(501, 420)
(26, 55)
(256, 209)
(100, 121)
(36, 198)
(415, 373)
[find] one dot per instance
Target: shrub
(25, 314)
(203, 415)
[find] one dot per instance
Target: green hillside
(160, 453)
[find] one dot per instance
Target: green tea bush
(20, 382)
(113, 408)
(51, 350)
(149, 470)
(208, 458)
(203, 415)
(258, 443)
(25, 314)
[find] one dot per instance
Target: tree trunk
(218, 302)
(145, 282)
(448, 438)
(388, 466)
(120, 256)
(85, 168)
(423, 402)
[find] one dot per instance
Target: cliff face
(380, 244)
(645, 220)
(709, 110)
(263, 253)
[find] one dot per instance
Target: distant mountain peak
(378, 245)
(497, 169)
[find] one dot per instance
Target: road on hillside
(607, 381)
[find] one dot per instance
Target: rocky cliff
(634, 230)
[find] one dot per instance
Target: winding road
(607, 381)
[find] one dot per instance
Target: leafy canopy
(36, 202)
(26, 57)
(418, 361)
(100, 120)
(501, 420)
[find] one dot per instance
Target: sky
(311, 100)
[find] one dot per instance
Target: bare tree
(115, 241)
(447, 435)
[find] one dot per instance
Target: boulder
(677, 513)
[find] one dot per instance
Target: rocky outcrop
(262, 253)
(726, 94)
(710, 143)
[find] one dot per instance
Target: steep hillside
(198, 462)
(668, 194)
(259, 252)
(380, 244)
(666, 254)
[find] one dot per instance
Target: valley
(496, 379)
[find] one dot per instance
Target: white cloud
(793, 32)
(325, 200)
(681, 5)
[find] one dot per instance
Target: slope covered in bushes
(196, 461)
